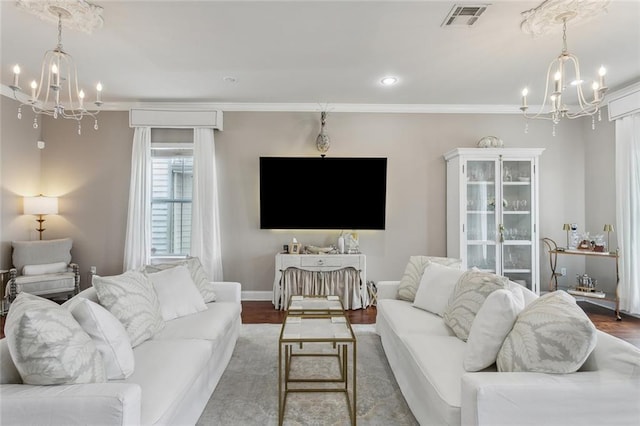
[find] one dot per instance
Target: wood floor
(628, 329)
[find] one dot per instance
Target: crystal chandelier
(564, 86)
(58, 93)
(323, 142)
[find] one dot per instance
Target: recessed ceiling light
(389, 81)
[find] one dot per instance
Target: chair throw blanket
(344, 283)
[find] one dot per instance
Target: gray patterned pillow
(130, 297)
(410, 281)
(205, 287)
(467, 298)
(48, 346)
(551, 335)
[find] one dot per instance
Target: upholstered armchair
(43, 268)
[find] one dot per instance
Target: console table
(554, 251)
(328, 263)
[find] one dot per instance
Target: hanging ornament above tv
(323, 143)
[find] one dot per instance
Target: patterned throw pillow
(551, 335)
(410, 281)
(48, 346)
(130, 297)
(205, 287)
(468, 296)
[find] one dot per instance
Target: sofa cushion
(211, 324)
(205, 287)
(439, 358)
(551, 335)
(468, 296)
(166, 370)
(48, 346)
(109, 336)
(436, 285)
(404, 318)
(46, 284)
(130, 297)
(177, 294)
(491, 326)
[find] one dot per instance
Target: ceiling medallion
(76, 14)
(564, 97)
(545, 18)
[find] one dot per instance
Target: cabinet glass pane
(481, 215)
(482, 256)
(517, 201)
(516, 261)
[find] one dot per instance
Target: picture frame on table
(294, 248)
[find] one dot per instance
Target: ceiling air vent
(464, 15)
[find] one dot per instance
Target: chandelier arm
(540, 114)
(582, 102)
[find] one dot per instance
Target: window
(171, 198)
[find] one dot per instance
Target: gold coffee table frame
(316, 319)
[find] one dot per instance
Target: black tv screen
(323, 193)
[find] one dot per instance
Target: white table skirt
(344, 283)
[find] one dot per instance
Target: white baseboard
(257, 296)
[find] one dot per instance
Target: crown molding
(315, 107)
(307, 107)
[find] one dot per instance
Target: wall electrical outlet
(563, 272)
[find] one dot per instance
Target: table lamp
(567, 227)
(40, 206)
(608, 229)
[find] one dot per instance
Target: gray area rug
(247, 393)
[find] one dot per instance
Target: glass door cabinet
(492, 211)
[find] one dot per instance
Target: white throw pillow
(205, 287)
(436, 285)
(551, 335)
(48, 346)
(492, 324)
(469, 295)
(410, 280)
(177, 293)
(109, 336)
(46, 268)
(130, 297)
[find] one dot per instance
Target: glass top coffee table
(316, 351)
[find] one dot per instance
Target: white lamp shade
(40, 205)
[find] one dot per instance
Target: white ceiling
(320, 52)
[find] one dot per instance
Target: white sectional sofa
(427, 360)
(175, 374)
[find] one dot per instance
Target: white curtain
(137, 246)
(205, 223)
(628, 210)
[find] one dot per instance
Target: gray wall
(19, 176)
(91, 174)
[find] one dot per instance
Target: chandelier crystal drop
(57, 94)
(564, 96)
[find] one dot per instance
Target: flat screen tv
(323, 193)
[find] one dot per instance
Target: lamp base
(40, 229)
